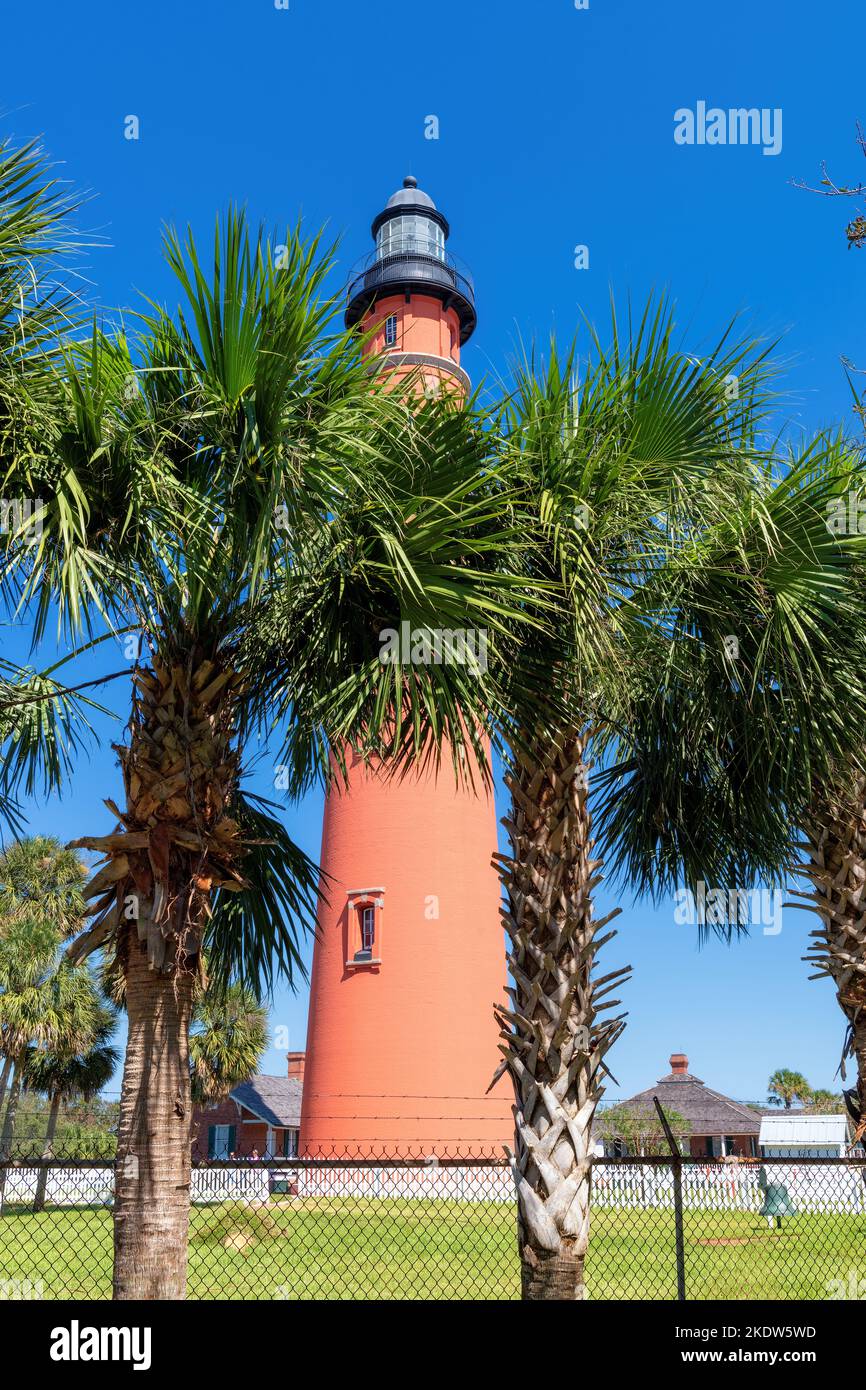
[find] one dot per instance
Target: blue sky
(555, 130)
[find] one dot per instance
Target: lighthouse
(409, 955)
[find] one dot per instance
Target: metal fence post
(677, 1166)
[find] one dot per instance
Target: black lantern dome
(410, 258)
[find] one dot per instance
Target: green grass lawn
(357, 1248)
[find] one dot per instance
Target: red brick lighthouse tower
(409, 958)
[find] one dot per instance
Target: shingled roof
(274, 1099)
(708, 1112)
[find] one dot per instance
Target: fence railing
(351, 1227)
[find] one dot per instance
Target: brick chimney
(296, 1065)
(679, 1064)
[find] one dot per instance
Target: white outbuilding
(788, 1135)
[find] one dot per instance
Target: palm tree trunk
(151, 1203)
(553, 1038)
(47, 1152)
(9, 1129)
(836, 845)
(178, 845)
(4, 1079)
(858, 1048)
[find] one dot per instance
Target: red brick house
(260, 1117)
(718, 1125)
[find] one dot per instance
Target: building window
(368, 933)
(220, 1141)
(364, 934)
(290, 1143)
(391, 330)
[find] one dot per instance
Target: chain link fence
(345, 1227)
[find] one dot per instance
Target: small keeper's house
(260, 1118)
(718, 1125)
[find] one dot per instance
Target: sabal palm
(75, 1073)
(834, 827)
(836, 863)
(26, 953)
(629, 476)
(830, 817)
(43, 1001)
(188, 485)
(37, 297)
(41, 886)
(825, 1102)
(38, 873)
(228, 1038)
(42, 725)
(786, 1086)
(793, 705)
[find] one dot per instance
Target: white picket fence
(811, 1188)
(732, 1187)
(68, 1187)
(836, 1188)
(65, 1187)
(254, 1181)
(430, 1183)
(94, 1187)
(250, 1184)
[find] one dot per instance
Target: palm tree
(38, 874)
(72, 1075)
(835, 845)
(786, 1086)
(228, 1037)
(42, 1002)
(654, 511)
(26, 953)
(825, 1102)
(190, 482)
(42, 724)
(37, 247)
(829, 815)
(797, 707)
(38, 879)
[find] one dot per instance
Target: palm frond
(254, 935)
(43, 727)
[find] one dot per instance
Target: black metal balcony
(412, 272)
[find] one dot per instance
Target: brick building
(718, 1125)
(262, 1117)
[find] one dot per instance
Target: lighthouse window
(391, 330)
(368, 928)
(368, 933)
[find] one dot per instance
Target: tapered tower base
(409, 960)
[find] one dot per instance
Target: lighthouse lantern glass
(410, 234)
